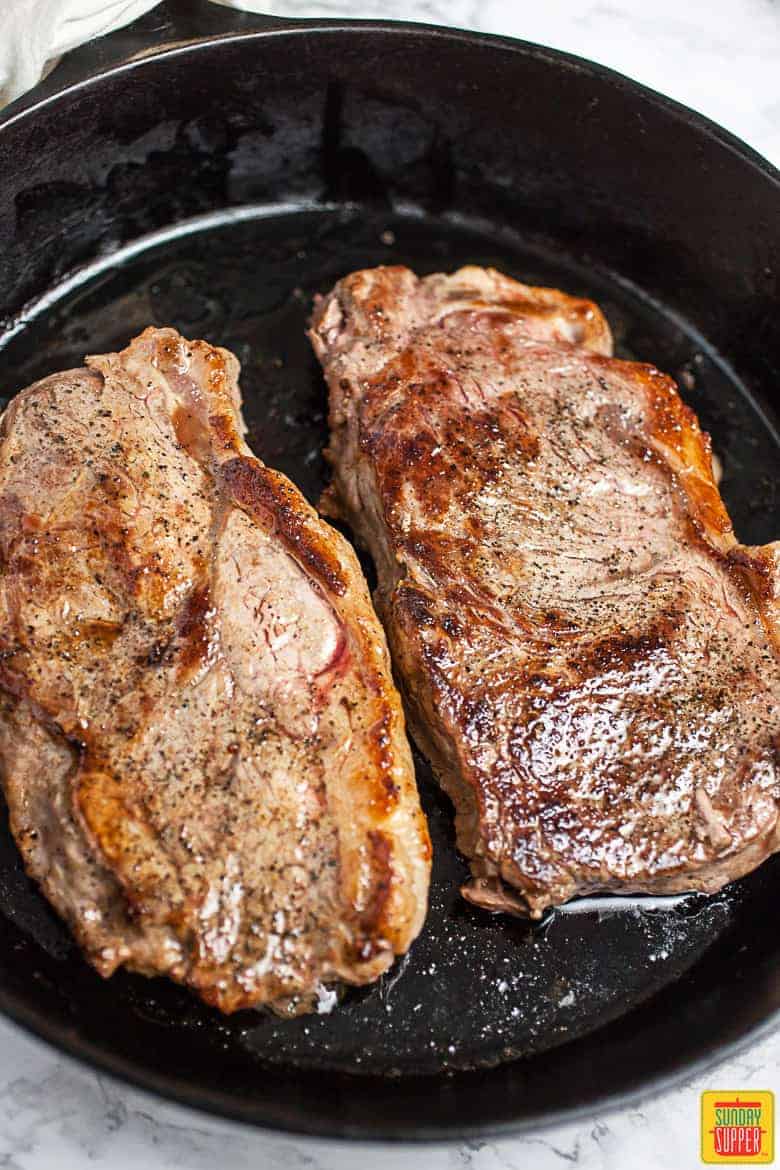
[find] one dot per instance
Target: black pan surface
(224, 223)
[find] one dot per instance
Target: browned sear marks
(201, 746)
(590, 659)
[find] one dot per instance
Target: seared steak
(589, 657)
(202, 749)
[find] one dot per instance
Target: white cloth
(35, 33)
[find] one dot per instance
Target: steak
(589, 658)
(202, 750)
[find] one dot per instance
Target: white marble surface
(723, 58)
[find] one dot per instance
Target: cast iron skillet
(216, 186)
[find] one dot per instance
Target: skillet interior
(218, 195)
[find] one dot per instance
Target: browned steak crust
(201, 746)
(589, 657)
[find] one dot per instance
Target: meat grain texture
(202, 750)
(590, 659)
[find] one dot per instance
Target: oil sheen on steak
(590, 659)
(202, 749)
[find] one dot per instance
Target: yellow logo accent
(737, 1127)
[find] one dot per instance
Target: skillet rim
(165, 1086)
(29, 104)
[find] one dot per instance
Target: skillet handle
(168, 24)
